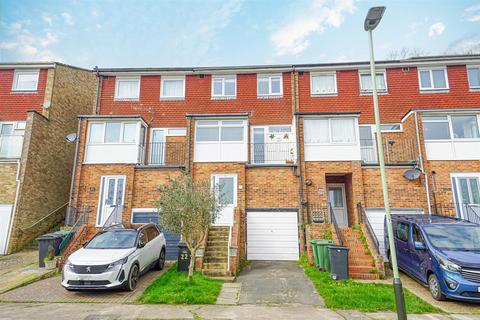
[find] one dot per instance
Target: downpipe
(427, 188)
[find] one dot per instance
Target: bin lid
(338, 248)
(50, 236)
(324, 241)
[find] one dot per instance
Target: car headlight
(117, 264)
(69, 266)
(449, 265)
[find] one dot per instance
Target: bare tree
(188, 208)
(406, 53)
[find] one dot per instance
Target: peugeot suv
(115, 258)
(440, 252)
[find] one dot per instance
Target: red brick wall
(14, 105)
(198, 100)
(403, 95)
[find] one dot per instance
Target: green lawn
(173, 287)
(367, 297)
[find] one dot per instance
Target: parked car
(442, 253)
(115, 258)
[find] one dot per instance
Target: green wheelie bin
(315, 253)
(323, 256)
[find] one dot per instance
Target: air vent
(201, 76)
(406, 69)
(301, 73)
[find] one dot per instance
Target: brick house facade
(294, 146)
(39, 104)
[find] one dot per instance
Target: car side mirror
(419, 245)
(141, 244)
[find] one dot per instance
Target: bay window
(366, 82)
(330, 131)
(220, 131)
(446, 127)
(269, 85)
(433, 79)
(127, 88)
(172, 87)
(224, 86)
(112, 132)
(323, 84)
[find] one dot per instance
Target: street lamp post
(372, 20)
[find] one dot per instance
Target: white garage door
(376, 217)
(5, 213)
(272, 235)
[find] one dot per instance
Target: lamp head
(373, 18)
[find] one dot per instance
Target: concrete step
(215, 260)
(209, 255)
(218, 238)
(214, 243)
(214, 265)
(215, 273)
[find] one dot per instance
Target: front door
(467, 194)
(112, 189)
(226, 185)
(336, 198)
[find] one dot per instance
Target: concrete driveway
(277, 282)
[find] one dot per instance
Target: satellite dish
(412, 174)
(71, 137)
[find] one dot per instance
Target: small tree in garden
(188, 208)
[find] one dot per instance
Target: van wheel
(434, 287)
(132, 278)
(161, 261)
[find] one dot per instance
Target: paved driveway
(277, 282)
(50, 290)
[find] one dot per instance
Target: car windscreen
(113, 240)
(454, 237)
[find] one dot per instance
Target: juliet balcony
(171, 154)
(396, 151)
(273, 153)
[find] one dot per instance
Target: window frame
(135, 210)
(430, 70)
(450, 127)
(319, 74)
(131, 78)
(219, 125)
(172, 78)
(122, 130)
(468, 77)
(18, 72)
(269, 76)
(330, 136)
(367, 72)
(391, 130)
(224, 78)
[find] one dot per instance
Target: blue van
(442, 253)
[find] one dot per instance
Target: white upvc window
(127, 88)
(25, 80)
(366, 82)
(220, 131)
(112, 133)
(391, 127)
(330, 131)
(172, 87)
(224, 86)
(451, 127)
(269, 85)
(431, 79)
(473, 77)
(324, 83)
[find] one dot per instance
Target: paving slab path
(277, 282)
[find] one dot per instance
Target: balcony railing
(11, 146)
(273, 153)
(465, 211)
(396, 151)
(166, 153)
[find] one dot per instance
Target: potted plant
(50, 262)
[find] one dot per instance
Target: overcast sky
(136, 33)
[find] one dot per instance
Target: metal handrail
(82, 220)
(336, 226)
(115, 217)
(273, 153)
(44, 218)
(396, 151)
(166, 153)
(471, 211)
(473, 215)
(364, 220)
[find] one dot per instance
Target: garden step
(358, 269)
(214, 265)
(364, 276)
(215, 273)
(215, 260)
(216, 256)
(218, 238)
(217, 243)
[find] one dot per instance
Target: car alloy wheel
(161, 260)
(133, 278)
(434, 287)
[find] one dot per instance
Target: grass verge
(173, 287)
(367, 297)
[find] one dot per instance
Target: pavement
(50, 290)
(19, 269)
(278, 282)
(87, 311)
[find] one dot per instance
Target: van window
(402, 231)
(417, 234)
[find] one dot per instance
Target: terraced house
(39, 104)
(293, 148)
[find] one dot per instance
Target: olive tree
(188, 208)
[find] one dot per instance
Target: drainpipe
(75, 160)
(99, 82)
(188, 144)
(427, 189)
(14, 209)
(299, 157)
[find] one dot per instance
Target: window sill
(126, 99)
(474, 89)
(224, 98)
(321, 95)
(369, 93)
(270, 97)
(24, 91)
(172, 99)
(423, 91)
